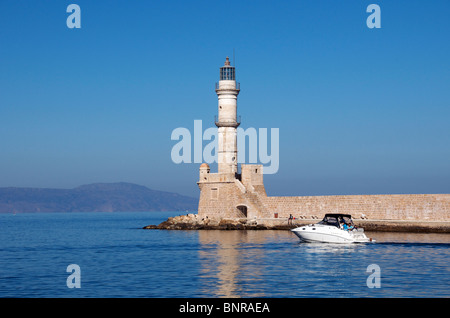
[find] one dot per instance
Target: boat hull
(329, 234)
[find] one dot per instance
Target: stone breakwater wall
(424, 207)
(224, 196)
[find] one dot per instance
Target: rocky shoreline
(193, 222)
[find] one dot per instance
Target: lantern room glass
(227, 73)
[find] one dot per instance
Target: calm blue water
(119, 259)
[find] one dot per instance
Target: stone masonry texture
(230, 196)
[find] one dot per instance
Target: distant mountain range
(97, 197)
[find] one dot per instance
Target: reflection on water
(276, 264)
(225, 258)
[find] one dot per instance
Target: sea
(110, 255)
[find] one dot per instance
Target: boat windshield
(336, 219)
(330, 220)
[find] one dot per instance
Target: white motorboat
(334, 228)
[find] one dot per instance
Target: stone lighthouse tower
(227, 91)
(227, 193)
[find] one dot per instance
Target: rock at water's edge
(194, 222)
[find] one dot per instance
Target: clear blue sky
(360, 111)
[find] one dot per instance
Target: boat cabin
(334, 219)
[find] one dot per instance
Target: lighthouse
(227, 90)
(230, 193)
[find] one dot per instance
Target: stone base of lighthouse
(230, 195)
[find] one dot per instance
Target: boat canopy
(334, 219)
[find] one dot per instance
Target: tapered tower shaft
(227, 91)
